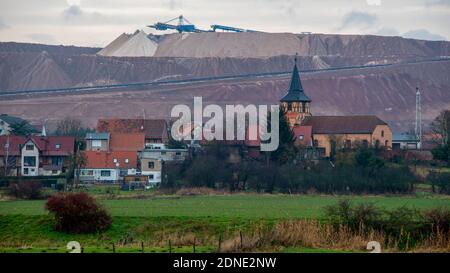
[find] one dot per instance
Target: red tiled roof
(15, 143)
(127, 142)
(306, 132)
(102, 159)
(54, 145)
(156, 128)
(343, 124)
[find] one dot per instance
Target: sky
(98, 22)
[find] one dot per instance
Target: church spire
(295, 92)
(296, 83)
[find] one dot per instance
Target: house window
(54, 172)
(178, 153)
(386, 143)
(301, 137)
(316, 143)
(163, 153)
(151, 165)
(151, 177)
(382, 133)
(58, 146)
(29, 161)
(57, 160)
(105, 173)
(25, 171)
(126, 160)
(29, 147)
(87, 173)
(96, 143)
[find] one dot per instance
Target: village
(139, 153)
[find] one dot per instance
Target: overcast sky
(97, 22)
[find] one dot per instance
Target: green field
(25, 226)
(249, 206)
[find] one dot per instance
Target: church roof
(295, 92)
(343, 124)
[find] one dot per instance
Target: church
(330, 133)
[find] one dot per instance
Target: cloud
(42, 38)
(72, 12)
(358, 19)
(76, 15)
(423, 34)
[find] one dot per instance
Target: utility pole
(418, 127)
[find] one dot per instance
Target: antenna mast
(418, 127)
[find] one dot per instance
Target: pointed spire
(295, 92)
(296, 84)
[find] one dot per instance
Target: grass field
(25, 226)
(233, 206)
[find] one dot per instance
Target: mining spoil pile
(264, 45)
(127, 45)
(387, 91)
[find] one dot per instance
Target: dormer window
(126, 160)
(58, 146)
(115, 160)
(29, 147)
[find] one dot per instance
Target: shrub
(78, 213)
(26, 190)
(439, 218)
(440, 180)
(362, 217)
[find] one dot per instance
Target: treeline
(357, 171)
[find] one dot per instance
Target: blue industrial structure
(227, 28)
(185, 26)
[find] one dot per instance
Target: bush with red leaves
(26, 190)
(78, 213)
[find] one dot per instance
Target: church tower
(295, 103)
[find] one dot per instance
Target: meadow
(25, 226)
(246, 206)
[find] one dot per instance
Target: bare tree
(441, 127)
(71, 127)
(77, 162)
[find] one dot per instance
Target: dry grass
(312, 234)
(198, 191)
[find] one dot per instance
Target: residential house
(10, 154)
(111, 156)
(132, 142)
(108, 167)
(155, 131)
(97, 141)
(46, 155)
(152, 161)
